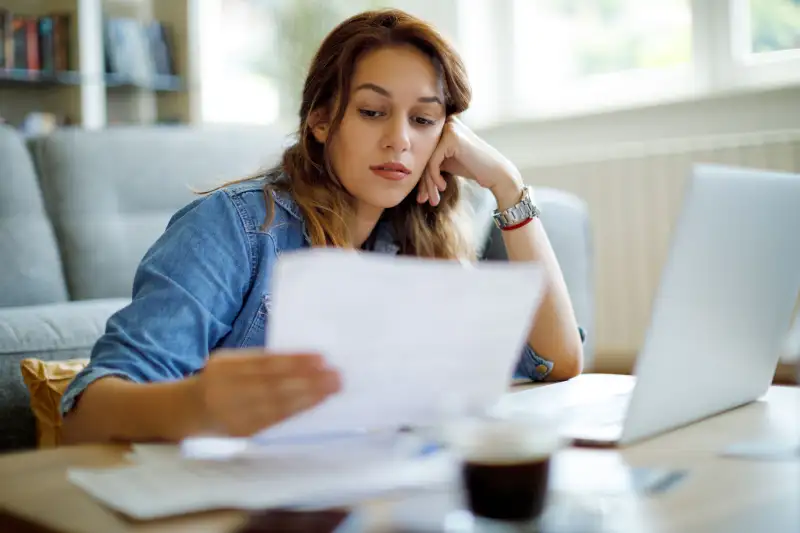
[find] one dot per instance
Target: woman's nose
(397, 135)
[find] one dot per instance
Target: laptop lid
(725, 299)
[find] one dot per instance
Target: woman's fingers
(433, 192)
(427, 190)
(273, 387)
(259, 362)
(243, 392)
(290, 401)
(289, 398)
(438, 181)
(422, 189)
(326, 381)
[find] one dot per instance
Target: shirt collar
(384, 240)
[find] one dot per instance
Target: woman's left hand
(461, 152)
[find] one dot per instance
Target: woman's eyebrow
(383, 92)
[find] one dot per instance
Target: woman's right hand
(241, 392)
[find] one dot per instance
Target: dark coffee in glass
(505, 465)
(508, 491)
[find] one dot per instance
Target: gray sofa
(78, 209)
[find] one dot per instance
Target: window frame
(721, 63)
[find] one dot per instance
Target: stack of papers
(411, 338)
(161, 483)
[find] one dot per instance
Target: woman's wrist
(189, 415)
(163, 411)
(115, 409)
(507, 191)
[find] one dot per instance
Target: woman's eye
(422, 121)
(369, 113)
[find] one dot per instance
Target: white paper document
(407, 334)
(409, 337)
(160, 488)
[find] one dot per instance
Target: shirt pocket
(255, 335)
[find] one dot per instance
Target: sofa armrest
(49, 332)
(565, 217)
(40, 329)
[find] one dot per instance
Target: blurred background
(611, 100)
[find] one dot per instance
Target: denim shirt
(204, 285)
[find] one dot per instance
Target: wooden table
(718, 495)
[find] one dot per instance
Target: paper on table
(166, 488)
(404, 332)
(334, 447)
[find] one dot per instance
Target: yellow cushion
(46, 382)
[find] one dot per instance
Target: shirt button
(541, 369)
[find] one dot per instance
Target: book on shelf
(138, 52)
(6, 49)
(38, 44)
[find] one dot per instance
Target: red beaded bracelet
(518, 225)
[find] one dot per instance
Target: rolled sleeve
(535, 367)
(187, 291)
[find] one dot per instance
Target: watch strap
(518, 214)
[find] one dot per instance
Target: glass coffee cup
(505, 465)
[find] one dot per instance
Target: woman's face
(392, 124)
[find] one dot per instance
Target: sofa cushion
(111, 193)
(30, 270)
(46, 382)
(50, 333)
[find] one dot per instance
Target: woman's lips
(394, 175)
(391, 171)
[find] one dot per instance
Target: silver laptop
(722, 312)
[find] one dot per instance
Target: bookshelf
(97, 63)
(36, 78)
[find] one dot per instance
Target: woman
(379, 143)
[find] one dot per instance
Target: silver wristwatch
(524, 210)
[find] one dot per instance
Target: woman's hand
(244, 391)
(461, 152)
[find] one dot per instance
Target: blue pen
(429, 448)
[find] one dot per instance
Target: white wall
(620, 206)
(530, 142)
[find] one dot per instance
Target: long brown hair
(305, 170)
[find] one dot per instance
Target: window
(774, 25)
(765, 50)
(235, 41)
(573, 57)
(573, 54)
(571, 39)
(527, 59)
